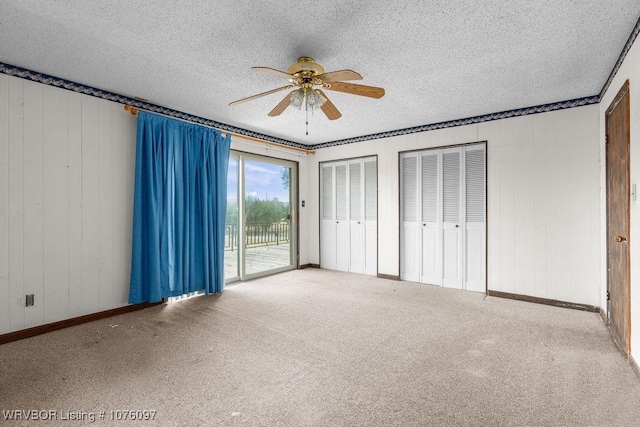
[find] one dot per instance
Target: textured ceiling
(437, 60)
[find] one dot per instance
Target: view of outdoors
(267, 213)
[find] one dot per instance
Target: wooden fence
(258, 234)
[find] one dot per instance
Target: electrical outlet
(303, 203)
(29, 300)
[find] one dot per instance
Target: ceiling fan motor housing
(305, 67)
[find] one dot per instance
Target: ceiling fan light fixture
(314, 100)
(305, 97)
(297, 99)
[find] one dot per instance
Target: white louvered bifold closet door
(342, 218)
(328, 222)
(349, 210)
(410, 239)
(356, 217)
(430, 221)
(475, 223)
(443, 194)
(371, 216)
(451, 218)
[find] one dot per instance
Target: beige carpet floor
(316, 347)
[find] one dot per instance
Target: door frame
(623, 95)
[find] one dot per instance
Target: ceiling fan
(308, 78)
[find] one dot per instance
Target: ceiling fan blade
(328, 108)
(240, 101)
(362, 90)
(273, 71)
(337, 76)
(282, 105)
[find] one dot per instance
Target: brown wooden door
(618, 276)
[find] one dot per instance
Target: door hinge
(606, 139)
(608, 296)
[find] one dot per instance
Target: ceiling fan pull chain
(306, 109)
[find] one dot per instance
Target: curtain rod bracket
(132, 110)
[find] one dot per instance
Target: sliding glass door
(231, 252)
(261, 218)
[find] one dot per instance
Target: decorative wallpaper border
(13, 70)
(48, 80)
(472, 120)
(623, 55)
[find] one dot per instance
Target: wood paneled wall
(66, 202)
(66, 193)
(543, 201)
(544, 205)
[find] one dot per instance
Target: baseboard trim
(50, 327)
(545, 301)
(388, 277)
(303, 266)
(603, 316)
(634, 366)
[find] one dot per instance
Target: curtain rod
(134, 111)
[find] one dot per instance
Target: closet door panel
(475, 223)
(328, 225)
(356, 218)
(371, 216)
(431, 254)
(451, 218)
(342, 219)
(410, 261)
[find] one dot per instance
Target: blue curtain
(179, 209)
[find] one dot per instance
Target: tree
(232, 213)
(284, 176)
(270, 211)
(258, 211)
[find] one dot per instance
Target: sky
(263, 180)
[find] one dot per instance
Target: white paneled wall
(66, 202)
(630, 70)
(543, 200)
(66, 191)
(66, 182)
(544, 205)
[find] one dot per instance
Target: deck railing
(258, 234)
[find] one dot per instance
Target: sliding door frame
(294, 225)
